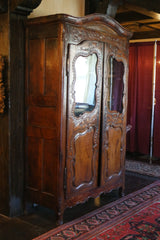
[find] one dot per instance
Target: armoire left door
(85, 68)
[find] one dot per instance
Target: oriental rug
(143, 168)
(135, 216)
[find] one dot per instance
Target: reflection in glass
(116, 86)
(85, 84)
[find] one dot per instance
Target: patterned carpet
(143, 168)
(135, 216)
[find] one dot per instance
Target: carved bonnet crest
(2, 92)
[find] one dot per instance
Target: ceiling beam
(143, 35)
(144, 21)
(141, 10)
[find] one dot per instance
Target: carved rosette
(2, 90)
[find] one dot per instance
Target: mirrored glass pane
(116, 85)
(85, 84)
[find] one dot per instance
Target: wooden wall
(4, 133)
(12, 47)
(11, 122)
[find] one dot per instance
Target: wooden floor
(41, 220)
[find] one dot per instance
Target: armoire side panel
(50, 149)
(42, 127)
(36, 71)
(34, 155)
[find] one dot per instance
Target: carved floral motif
(79, 36)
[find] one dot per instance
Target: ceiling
(142, 17)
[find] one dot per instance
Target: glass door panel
(116, 85)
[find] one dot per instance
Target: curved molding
(89, 21)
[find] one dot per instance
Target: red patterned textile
(140, 96)
(135, 216)
(143, 225)
(156, 138)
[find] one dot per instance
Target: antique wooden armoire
(76, 102)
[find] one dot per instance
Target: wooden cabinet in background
(76, 102)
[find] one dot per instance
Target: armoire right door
(114, 116)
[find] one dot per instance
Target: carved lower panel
(83, 162)
(114, 151)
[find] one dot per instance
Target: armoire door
(84, 116)
(114, 117)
